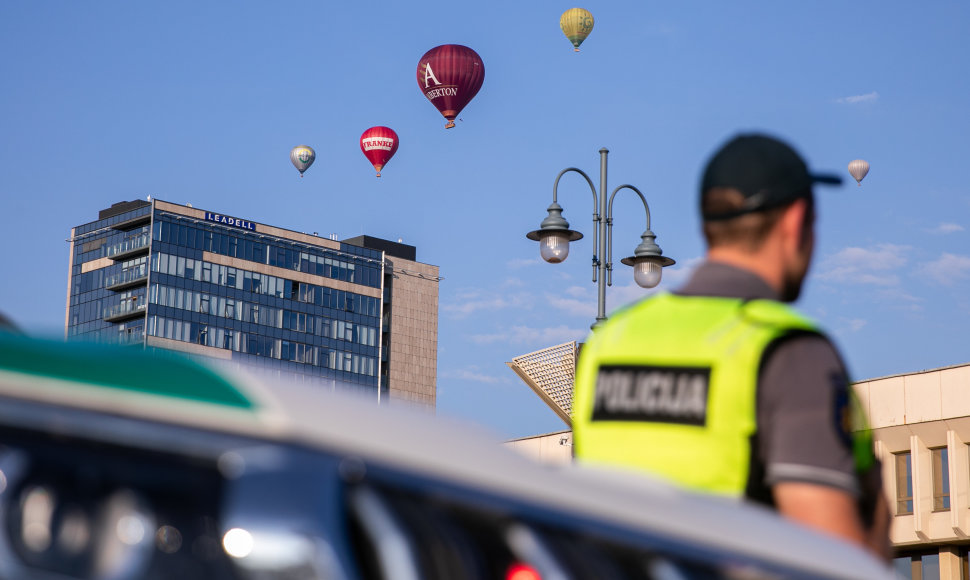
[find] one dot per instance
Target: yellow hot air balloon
(576, 24)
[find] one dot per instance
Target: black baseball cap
(767, 171)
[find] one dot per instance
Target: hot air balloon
(858, 169)
(450, 75)
(379, 144)
(302, 157)
(576, 24)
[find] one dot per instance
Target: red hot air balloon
(379, 144)
(450, 75)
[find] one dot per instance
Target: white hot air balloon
(858, 169)
(302, 157)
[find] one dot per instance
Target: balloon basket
(449, 124)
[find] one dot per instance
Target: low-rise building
(921, 427)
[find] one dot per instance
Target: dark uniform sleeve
(804, 433)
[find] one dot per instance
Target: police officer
(723, 388)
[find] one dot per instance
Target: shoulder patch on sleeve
(842, 408)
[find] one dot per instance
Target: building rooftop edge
(944, 368)
(136, 201)
(563, 432)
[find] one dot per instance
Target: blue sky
(200, 103)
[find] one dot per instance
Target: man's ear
(794, 224)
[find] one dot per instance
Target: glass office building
(358, 313)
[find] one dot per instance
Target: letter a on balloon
(429, 76)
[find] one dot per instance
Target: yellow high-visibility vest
(669, 385)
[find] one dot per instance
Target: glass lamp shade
(647, 273)
(554, 246)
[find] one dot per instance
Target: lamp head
(554, 235)
(647, 261)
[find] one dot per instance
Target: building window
(903, 566)
(941, 479)
(924, 566)
(287, 350)
(904, 484)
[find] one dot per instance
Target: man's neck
(761, 264)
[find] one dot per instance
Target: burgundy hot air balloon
(379, 144)
(450, 75)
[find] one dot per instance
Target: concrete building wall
(70, 269)
(551, 448)
(413, 357)
(196, 349)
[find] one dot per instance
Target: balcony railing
(123, 311)
(127, 338)
(134, 222)
(128, 248)
(127, 278)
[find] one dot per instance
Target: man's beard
(791, 288)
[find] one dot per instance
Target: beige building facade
(921, 427)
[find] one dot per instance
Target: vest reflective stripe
(634, 388)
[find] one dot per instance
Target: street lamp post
(554, 236)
